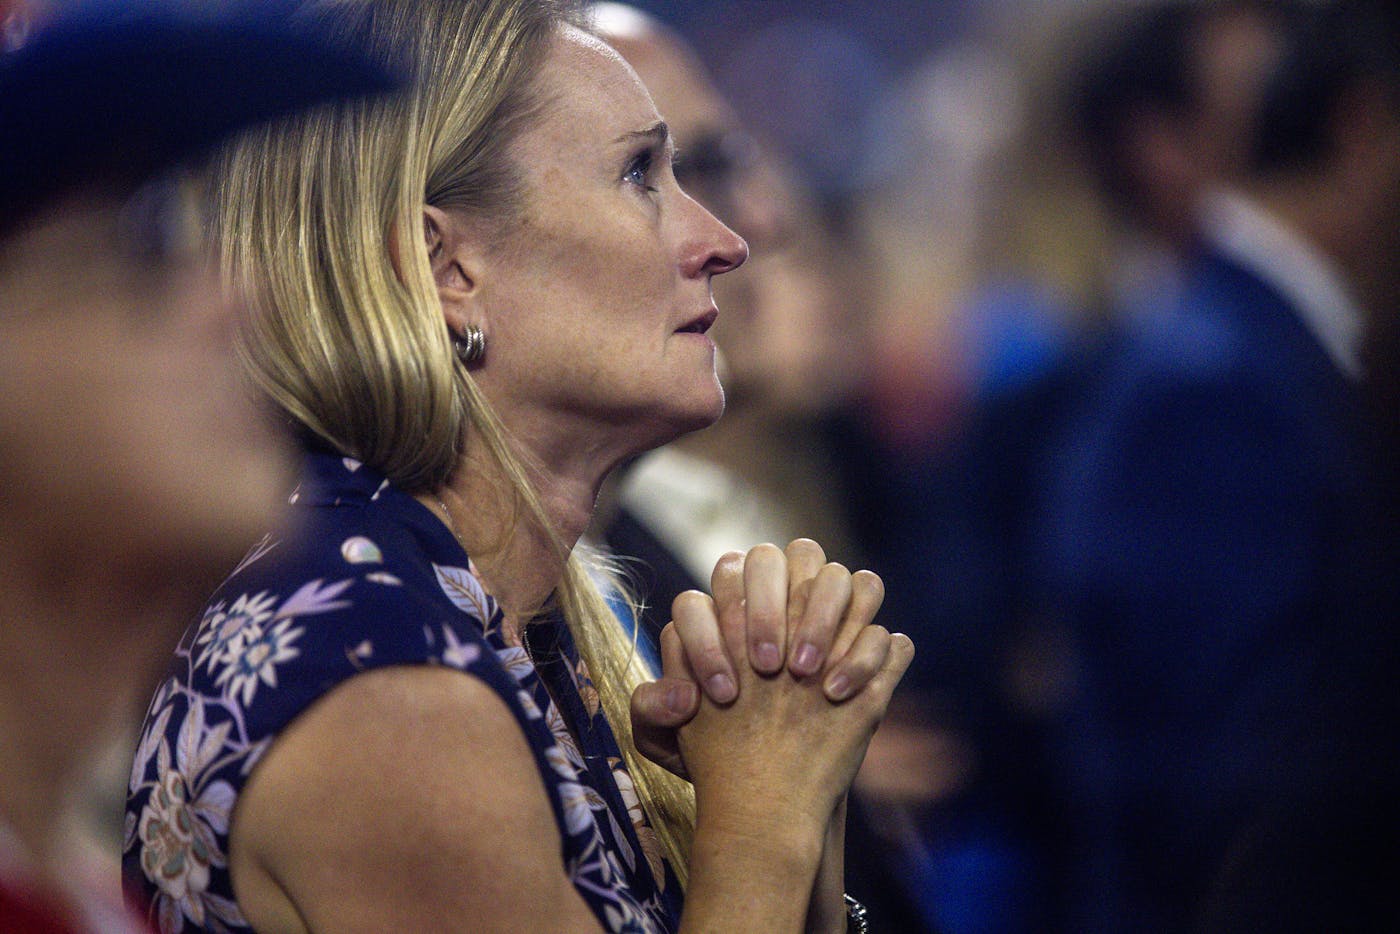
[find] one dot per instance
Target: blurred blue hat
(109, 93)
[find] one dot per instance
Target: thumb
(667, 703)
(659, 708)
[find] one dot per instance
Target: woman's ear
(453, 263)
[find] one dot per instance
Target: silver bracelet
(857, 918)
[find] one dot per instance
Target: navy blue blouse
(370, 578)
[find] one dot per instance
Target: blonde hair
(320, 222)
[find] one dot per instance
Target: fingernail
(720, 687)
(680, 697)
(806, 660)
(838, 687)
(768, 656)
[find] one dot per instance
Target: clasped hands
(782, 623)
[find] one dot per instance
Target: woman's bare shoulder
(407, 798)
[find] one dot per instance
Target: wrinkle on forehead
(590, 99)
(583, 68)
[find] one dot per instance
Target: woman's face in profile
(598, 298)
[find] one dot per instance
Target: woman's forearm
(752, 876)
(826, 913)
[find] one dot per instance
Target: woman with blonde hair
(474, 299)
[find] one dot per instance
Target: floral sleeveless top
(369, 578)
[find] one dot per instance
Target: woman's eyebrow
(658, 133)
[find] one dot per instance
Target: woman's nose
(715, 248)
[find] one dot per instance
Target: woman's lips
(700, 324)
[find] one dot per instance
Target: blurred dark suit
(1208, 536)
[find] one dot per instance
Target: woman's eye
(639, 171)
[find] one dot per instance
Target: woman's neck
(521, 559)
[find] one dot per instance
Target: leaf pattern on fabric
(465, 591)
(646, 836)
(516, 661)
(284, 629)
(555, 720)
(314, 597)
(459, 654)
(584, 683)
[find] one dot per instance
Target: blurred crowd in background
(1075, 320)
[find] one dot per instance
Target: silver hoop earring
(470, 345)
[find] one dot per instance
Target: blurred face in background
(1231, 57)
(127, 439)
(777, 331)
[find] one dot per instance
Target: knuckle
(709, 660)
(765, 618)
(644, 701)
(869, 705)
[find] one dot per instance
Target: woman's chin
(707, 410)
(678, 421)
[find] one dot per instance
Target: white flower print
(263, 546)
(146, 749)
(222, 632)
(258, 661)
(532, 710)
(623, 914)
(360, 550)
(240, 669)
(562, 736)
(625, 918)
(557, 758)
(619, 838)
(197, 745)
(312, 598)
(584, 682)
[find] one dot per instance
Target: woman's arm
(406, 799)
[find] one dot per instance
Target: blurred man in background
(1210, 530)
